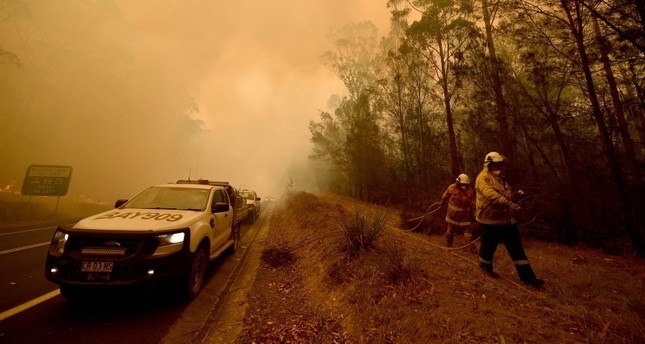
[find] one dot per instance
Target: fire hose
(420, 218)
(428, 213)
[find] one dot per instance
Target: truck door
(223, 221)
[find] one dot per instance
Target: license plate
(97, 266)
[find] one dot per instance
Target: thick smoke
(134, 93)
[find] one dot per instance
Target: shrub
(362, 229)
(399, 266)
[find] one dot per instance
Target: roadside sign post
(46, 180)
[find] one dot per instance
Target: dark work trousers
(509, 235)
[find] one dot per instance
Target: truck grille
(98, 251)
(113, 246)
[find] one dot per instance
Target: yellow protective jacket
(461, 205)
(494, 199)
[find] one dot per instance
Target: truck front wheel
(70, 292)
(195, 278)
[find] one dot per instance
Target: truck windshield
(170, 198)
(247, 195)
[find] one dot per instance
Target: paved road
(32, 310)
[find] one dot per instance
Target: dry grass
(361, 230)
(408, 289)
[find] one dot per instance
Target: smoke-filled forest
(554, 86)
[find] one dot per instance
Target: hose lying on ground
(420, 218)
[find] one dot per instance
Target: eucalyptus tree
(604, 46)
(328, 137)
(353, 59)
(542, 95)
(489, 12)
(621, 29)
(355, 126)
(574, 17)
(404, 95)
(393, 100)
(439, 35)
(626, 18)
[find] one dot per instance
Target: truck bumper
(138, 267)
(66, 270)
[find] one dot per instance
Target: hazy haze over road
(133, 93)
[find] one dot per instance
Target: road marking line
(28, 230)
(24, 247)
(25, 306)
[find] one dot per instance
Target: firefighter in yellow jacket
(494, 213)
(461, 207)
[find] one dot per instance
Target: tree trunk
(445, 87)
(502, 118)
(576, 29)
(637, 111)
(628, 143)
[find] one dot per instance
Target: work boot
(534, 282)
(525, 272)
(488, 270)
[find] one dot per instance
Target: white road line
(28, 230)
(34, 229)
(24, 248)
(25, 306)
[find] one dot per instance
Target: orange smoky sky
(135, 93)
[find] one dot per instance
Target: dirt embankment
(313, 287)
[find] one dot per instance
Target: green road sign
(46, 180)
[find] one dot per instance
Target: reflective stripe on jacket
(461, 204)
(494, 199)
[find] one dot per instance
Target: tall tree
(628, 143)
(505, 136)
(353, 61)
(575, 20)
(440, 35)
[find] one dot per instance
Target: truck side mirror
(220, 207)
(258, 199)
(119, 202)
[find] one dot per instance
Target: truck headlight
(57, 246)
(169, 243)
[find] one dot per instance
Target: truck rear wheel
(236, 240)
(253, 216)
(195, 278)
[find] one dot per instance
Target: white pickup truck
(167, 232)
(253, 202)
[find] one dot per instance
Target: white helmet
(493, 157)
(463, 179)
